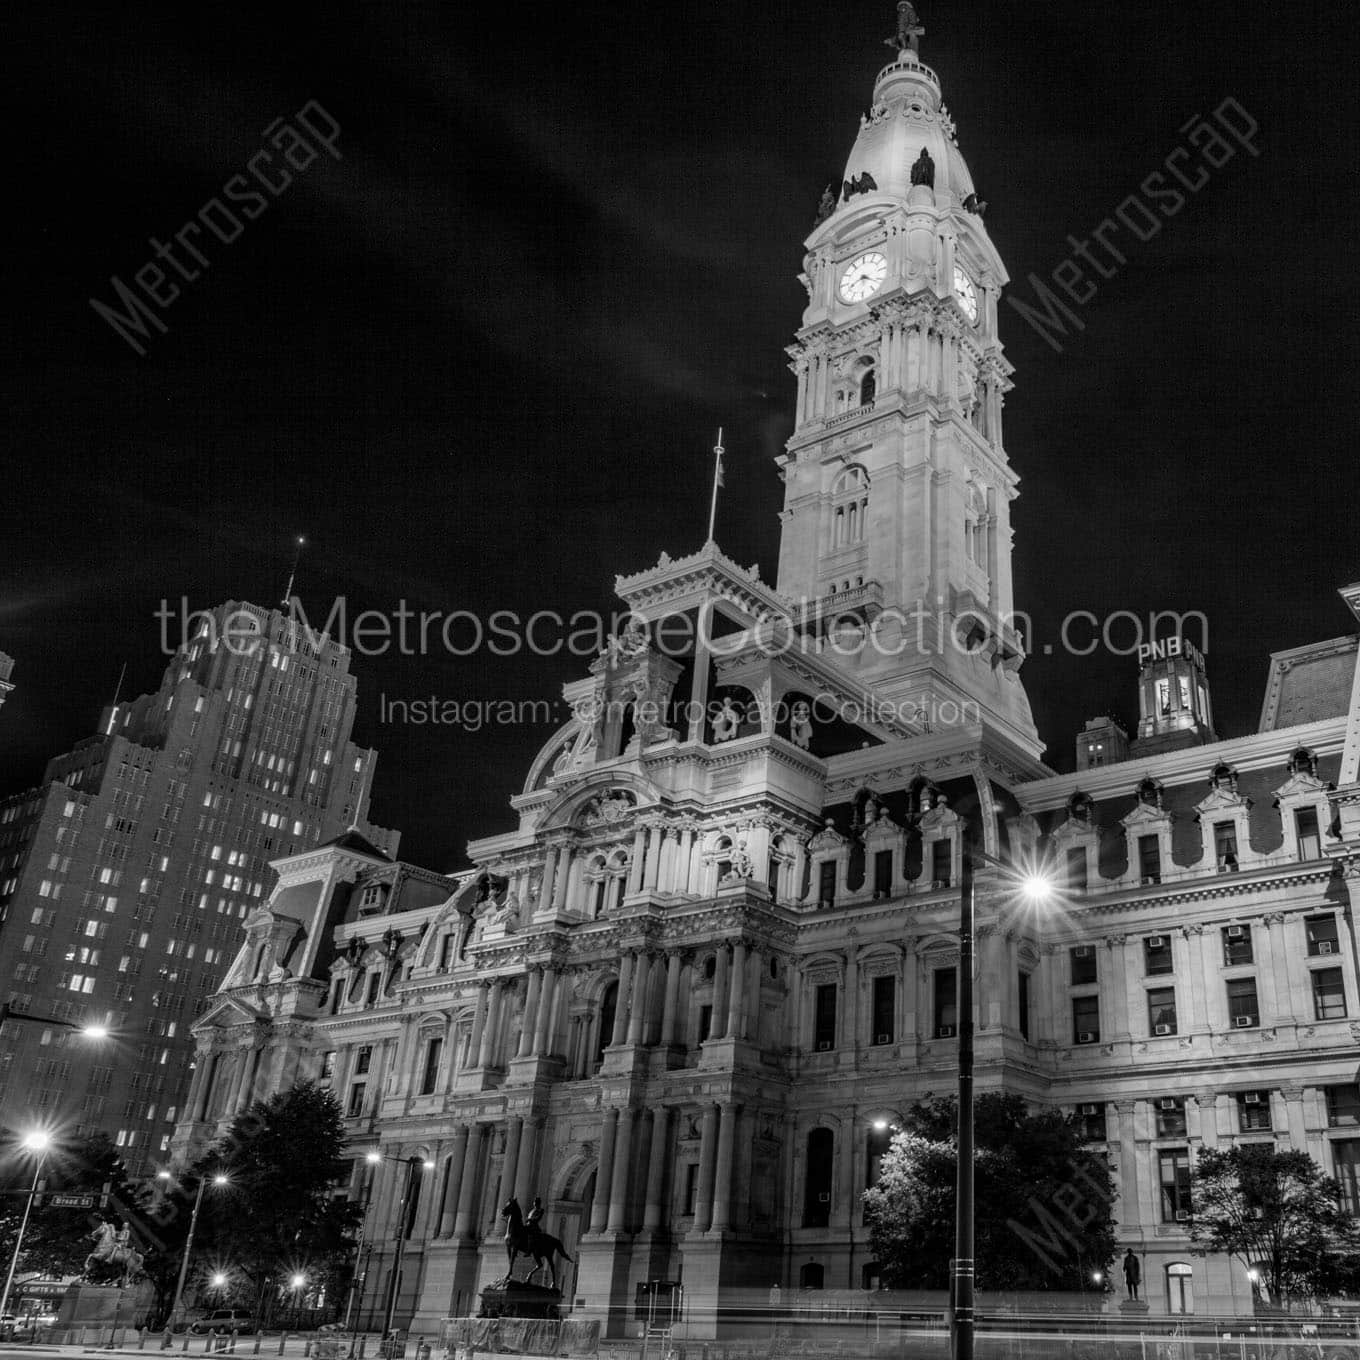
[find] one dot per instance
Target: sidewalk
(184, 1345)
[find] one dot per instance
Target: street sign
(58, 1201)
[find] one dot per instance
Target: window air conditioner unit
(824, 1197)
(1324, 946)
(1156, 942)
(883, 1038)
(1244, 1021)
(1251, 1098)
(1090, 1109)
(1087, 1036)
(1182, 1215)
(823, 1045)
(1148, 880)
(945, 1032)
(1083, 951)
(1161, 1029)
(1236, 933)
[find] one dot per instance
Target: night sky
(479, 360)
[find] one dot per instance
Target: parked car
(224, 1320)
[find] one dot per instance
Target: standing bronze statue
(909, 29)
(1133, 1273)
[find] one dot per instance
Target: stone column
(708, 1151)
(685, 859)
(670, 1010)
(637, 1014)
(719, 1026)
(755, 978)
(545, 888)
(574, 899)
(474, 1050)
(1273, 979)
(659, 1156)
(653, 870)
(486, 1057)
(1120, 1012)
(523, 1178)
(453, 1185)
(547, 1005)
(736, 1002)
(463, 1219)
(722, 1188)
(665, 879)
(599, 1209)
(623, 1161)
(530, 1021)
(851, 1002)
(514, 1130)
(561, 878)
(793, 1004)
(635, 865)
(621, 1006)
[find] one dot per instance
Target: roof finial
(909, 29)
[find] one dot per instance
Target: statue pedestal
(88, 1309)
(1133, 1307)
(518, 1299)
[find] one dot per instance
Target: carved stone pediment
(1145, 815)
(1300, 786)
(1221, 799)
(827, 839)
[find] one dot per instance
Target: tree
(1043, 1200)
(279, 1213)
(1279, 1215)
(57, 1241)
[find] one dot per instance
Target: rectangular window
(1174, 1173)
(1161, 1011)
(374, 982)
(356, 1100)
(1225, 844)
(1253, 1111)
(691, 1187)
(1157, 958)
(1346, 1157)
(1170, 1117)
(883, 866)
(446, 952)
(1343, 1106)
(1077, 874)
(1322, 936)
(362, 1059)
(327, 1065)
(941, 862)
(824, 1027)
(1149, 859)
(1306, 828)
(705, 1022)
(1243, 1011)
(1022, 991)
(1083, 957)
(1091, 1123)
(946, 1002)
(429, 1077)
(885, 999)
(1085, 1019)
(1236, 946)
(826, 883)
(1329, 994)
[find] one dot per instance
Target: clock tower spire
(897, 484)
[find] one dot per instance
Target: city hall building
(712, 956)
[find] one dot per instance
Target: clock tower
(896, 519)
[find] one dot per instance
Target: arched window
(821, 1145)
(608, 1006)
(850, 502)
(876, 1148)
(811, 1276)
(868, 387)
(1180, 1288)
(1303, 762)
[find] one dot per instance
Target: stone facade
(716, 955)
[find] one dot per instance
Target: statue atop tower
(909, 29)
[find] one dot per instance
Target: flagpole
(717, 482)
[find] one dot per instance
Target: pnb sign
(1170, 647)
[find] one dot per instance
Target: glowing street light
(219, 1179)
(38, 1141)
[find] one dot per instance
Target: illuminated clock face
(966, 292)
(863, 277)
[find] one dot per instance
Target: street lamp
(296, 1282)
(403, 1213)
(219, 1179)
(7, 1012)
(1035, 888)
(38, 1142)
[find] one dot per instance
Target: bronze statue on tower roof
(909, 29)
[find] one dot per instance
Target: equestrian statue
(113, 1254)
(524, 1237)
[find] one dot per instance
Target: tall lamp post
(38, 1142)
(1036, 888)
(403, 1214)
(219, 1179)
